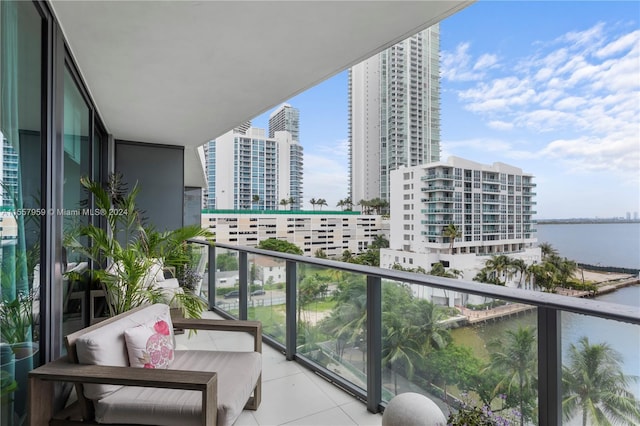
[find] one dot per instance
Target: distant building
(247, 170)
(9, 173)
(492, 206)
(285, 119)
(332, 232)
(394, 113)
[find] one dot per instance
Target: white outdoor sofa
(198, 388)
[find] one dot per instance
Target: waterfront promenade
(499, 312)
(606, 283)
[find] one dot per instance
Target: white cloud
(500, 125)
(619, 45)
(486, 61)
(484, 144)
(456, 66)
(326, 174)
(590, 37)
(577, 97)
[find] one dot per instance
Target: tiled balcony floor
(291, 394)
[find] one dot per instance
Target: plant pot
(7, 365)
(26, 359)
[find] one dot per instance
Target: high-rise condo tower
(394, 113)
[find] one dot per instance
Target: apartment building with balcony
(247, 170)
(492, 206)
(331, 232)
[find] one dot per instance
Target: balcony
(447, 188)
(338, 321)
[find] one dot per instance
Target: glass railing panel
(600, 367)
(332, 316)
(460, 350)
(193, 275)
(227, 280)
(266, 303)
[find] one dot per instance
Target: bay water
(623, 337)
(605, 244)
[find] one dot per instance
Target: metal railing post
(243, 291)
(291, 335)
(549, 367)
(211, 285)
(374, 343)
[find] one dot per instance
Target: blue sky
(550, 87)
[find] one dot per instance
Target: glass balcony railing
(379, 332)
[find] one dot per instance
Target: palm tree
(439, 270)
(365, 206)
(399, 348)
(430, 328)
(348, 203)
(519, 266)
(340, 204)
(500, 265)
(594, 384)
(321, 202)
(313, 203)
(284, 203)
(545, 275)
(379, 241)
(516, 358)
(256, 199)
(292, 201)
(547, 250)
(452, 232)
(566, 268)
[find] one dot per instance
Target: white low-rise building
(491, 206)
(332, 232)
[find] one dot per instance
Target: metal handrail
(576, 305)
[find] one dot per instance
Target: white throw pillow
(151, 345)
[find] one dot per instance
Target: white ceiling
(185, 72)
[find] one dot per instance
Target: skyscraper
(394, 113)
(285, 118)
(247, 170)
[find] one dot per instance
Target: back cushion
(106, 345)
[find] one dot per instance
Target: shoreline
(607, 282)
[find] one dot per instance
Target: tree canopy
(282, 246)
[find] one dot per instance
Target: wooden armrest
(41, 387)
(64, 371)
(253, 327)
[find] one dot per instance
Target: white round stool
(412, 409)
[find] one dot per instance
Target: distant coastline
(578, 221)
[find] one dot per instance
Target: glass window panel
(21, 212)
(600, 364)
(332, 321)
(267, 277)
(227, 279)
(77, 164)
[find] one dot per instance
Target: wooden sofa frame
(67, 369)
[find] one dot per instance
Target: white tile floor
(291, 394)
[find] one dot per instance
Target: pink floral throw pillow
(150, 345)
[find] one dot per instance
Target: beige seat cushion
(238, 373)
(106, 345)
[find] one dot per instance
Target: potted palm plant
(126, 250)
(19, 351)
